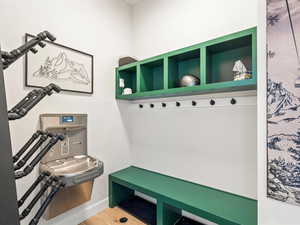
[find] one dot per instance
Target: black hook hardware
(194, 103)
(163, 104)
(141, 106)
(233, 101)
(178, 104)
(212, 102)
(152, 105)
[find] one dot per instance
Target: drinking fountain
(69, 160)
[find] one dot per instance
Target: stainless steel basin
(70, 162)
(74, 170)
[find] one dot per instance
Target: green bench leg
(118, 193)
(166, 214)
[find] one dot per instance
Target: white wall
(163, 25)
(210, 145)
(214, 146)
(271, 212)
(99, 27)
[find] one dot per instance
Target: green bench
(174, 195)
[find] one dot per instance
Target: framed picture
(70, 69)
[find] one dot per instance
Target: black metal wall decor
(8, 197)
(71, 69)
(11, 166)
(8, 58)
(31, 99)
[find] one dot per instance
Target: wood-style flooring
(112, 217)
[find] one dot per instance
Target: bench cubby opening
(186, 221)
(140, 208)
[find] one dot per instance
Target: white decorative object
(240, 71)
(127, 91)
(122, 83)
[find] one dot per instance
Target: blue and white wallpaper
(283, 99)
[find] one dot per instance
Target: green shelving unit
(212, 61)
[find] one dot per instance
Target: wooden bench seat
(174, 195)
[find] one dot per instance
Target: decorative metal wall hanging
(283, 100)
(10, 168)
(71, 69)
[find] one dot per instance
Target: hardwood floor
(112, 217)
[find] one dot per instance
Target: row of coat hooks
(212, 102)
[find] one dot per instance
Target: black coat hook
(212, 102)
(194, 103)
(177, 104)
(163, 104)
(141, 106)
(233, 101)
(152, 105)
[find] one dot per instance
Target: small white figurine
(240, 71)
(122, 83)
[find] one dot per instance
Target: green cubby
(221, 57)
(187, 63)
(152, 75)
(212, 61)
(129, 75)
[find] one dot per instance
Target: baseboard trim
(79, 214)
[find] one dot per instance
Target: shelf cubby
(187, 63)
(221, 57)
(140, 208)
(212, 61)
(152, 75)
(129, 75)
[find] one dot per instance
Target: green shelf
(212, 61)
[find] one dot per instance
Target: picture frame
(71, 69)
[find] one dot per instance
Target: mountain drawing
(62, 68)
(280, 100)
(283, 143)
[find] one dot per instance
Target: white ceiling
(132, 2)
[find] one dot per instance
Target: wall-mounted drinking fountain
(70, 161)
